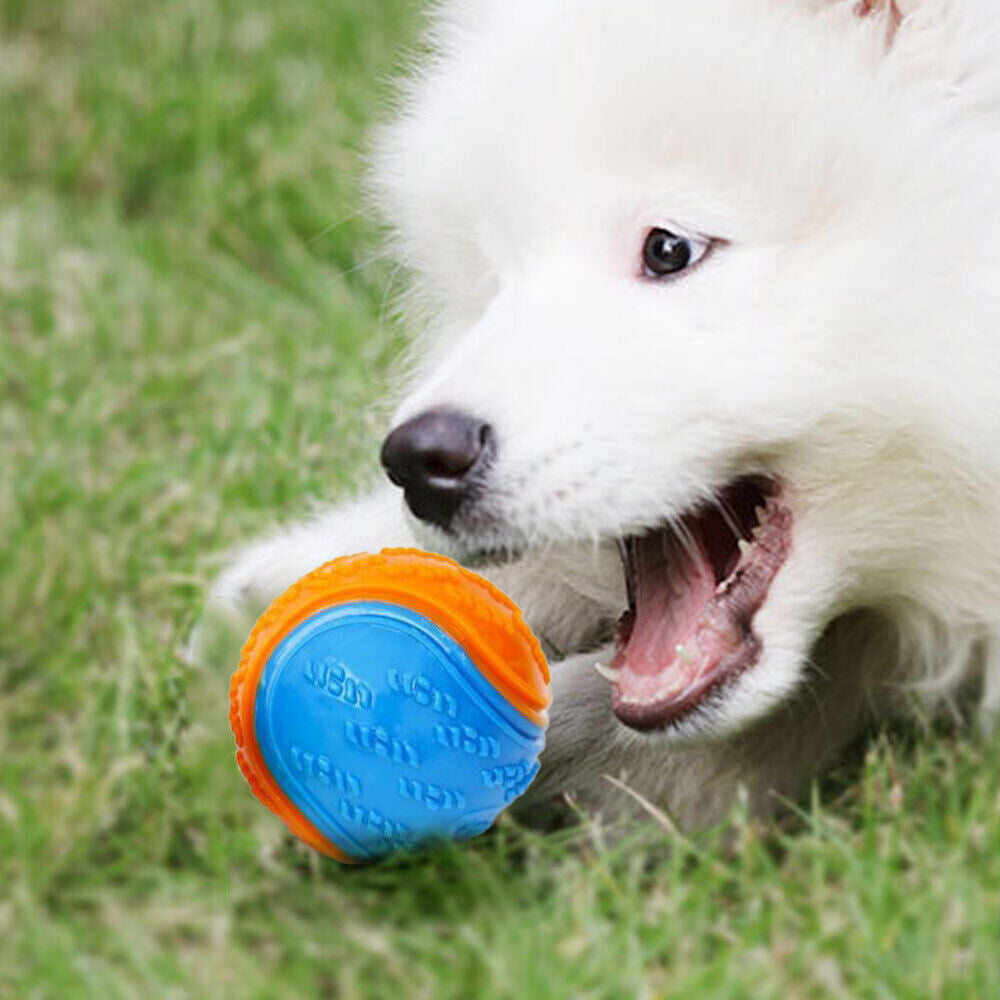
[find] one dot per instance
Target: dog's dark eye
(668, 253)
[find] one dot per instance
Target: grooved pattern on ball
(381, 730)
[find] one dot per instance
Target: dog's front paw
(266, 569)
(255, 578)
(243, 591)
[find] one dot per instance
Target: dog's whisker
(727, 515)
(684, 536)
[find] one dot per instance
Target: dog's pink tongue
(673, 585)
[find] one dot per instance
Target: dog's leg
(560, 600)
(267, 567)
(580, 744)
(607, 770)
(610, 770)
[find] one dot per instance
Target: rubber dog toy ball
(388, 700)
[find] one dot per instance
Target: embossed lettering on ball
(388, 700)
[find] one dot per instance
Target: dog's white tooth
(760, 513)
(608, 673)
(744, 547)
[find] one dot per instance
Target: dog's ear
(948, 43)
(886, 10)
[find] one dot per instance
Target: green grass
(193, 336)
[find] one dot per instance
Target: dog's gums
(694, 589)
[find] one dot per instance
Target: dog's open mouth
(694, 589)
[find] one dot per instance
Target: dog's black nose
(438, 458)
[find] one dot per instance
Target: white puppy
(706, 292)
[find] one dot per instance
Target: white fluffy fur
(845, 338)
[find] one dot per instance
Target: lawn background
(194, 329)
